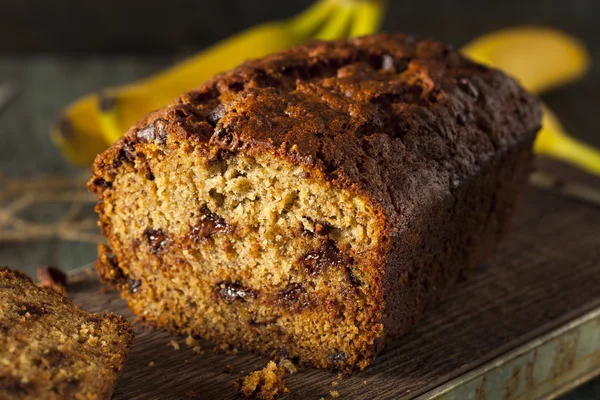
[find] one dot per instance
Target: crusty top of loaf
(384, 114)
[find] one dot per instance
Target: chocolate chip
(147, 133)
(160, 127)
(306, 233)
(322, 229)
(216, 114)
(102, 183)
(336, 357)
(156, 240)
(33, 310)
(294, 296)
(234, 291)
(225, 139)
(354, 279)
(236, 86)
(210, 224)
(52, 277)
(155, 132)
(127, 153)
(325, 256)
(387, 62)
(466, 86)
(134, 285)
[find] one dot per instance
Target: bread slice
(50, 349)
(316, 202)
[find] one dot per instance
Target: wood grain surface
(545, 273)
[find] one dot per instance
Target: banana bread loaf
(316, 202)
(50, 349)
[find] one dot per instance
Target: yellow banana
(541, 59)
(98, 120)
(554, 142)
(77, 132)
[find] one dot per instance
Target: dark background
(151, 26)
(58, 50)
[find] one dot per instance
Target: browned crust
(404, 122)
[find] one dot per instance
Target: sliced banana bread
(50, 349)
(314, 203)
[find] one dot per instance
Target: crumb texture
(50, 349)
(266, 384)
(313, 203)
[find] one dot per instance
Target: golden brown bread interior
(316, 202)
(50, 349)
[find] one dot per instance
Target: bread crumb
(225, 348)
(151, 364)
(334, 383)
(190, 394)
(335, 394)
(365, 382)
(340, 376)
(173, 344)
(289, 366)
(265, 384)
(190, 342)
(229, 368)
(197, 350)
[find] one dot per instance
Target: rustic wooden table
(46, 84)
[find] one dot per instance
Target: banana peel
(553, 141)
(77, 132)
(92, 123)
(541, 59)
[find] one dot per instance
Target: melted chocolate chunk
(294, 296)
(147, 133)
(216, 114)
(156, 240)
(234, 291)
(154, 132)
(31, 309)
(134, 285)
(127, 153)
(325, 256)
(210, 224)
(102, 183)
(354, 279)
(387, 62)
(225, 139)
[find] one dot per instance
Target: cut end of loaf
(51, 349)
(249, 250)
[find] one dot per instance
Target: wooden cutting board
(546, 273)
